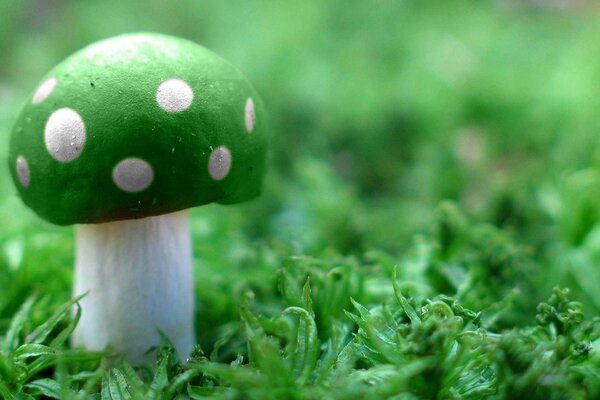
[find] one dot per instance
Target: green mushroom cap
(136, 126)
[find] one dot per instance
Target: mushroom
(121, 138)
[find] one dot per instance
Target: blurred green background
(381, 112)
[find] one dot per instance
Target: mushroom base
(138, 279)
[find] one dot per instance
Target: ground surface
(432, 192)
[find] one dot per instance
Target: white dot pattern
(249, 115)
(44, 90)
(174, 95)
(133, 174)
(64, 135)
(23, 171)
(219, 163)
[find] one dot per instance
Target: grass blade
(16, 325)
(47, 387)
(34, 350)
(406, 306)
(41, 332)
(117, 385)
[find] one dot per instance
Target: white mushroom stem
(138, 276)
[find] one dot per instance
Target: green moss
(455, 143)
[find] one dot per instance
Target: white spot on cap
(174, 95)
(133, 174)
(44, 90)
(249, 115)
(219, 163)
(64, 135)
(23, 171)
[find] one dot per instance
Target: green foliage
(27, 353)
(430, 348)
